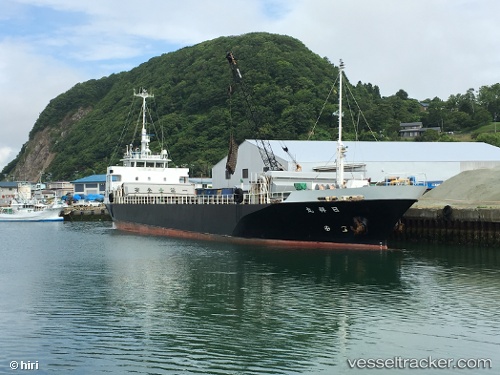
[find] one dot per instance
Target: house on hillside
(430, 161)
(424, 106)
(414, 129)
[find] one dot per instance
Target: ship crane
(298, 167)
(265, 149)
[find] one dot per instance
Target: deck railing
(190, 199)
(258, 194)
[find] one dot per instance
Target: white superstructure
(142, 171)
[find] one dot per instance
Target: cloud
(426, 47)
(6, 155)
(28, 82)
(415, 45)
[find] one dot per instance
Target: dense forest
(199, 101)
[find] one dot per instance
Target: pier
(464, 210)
(86, 213)
(447, 224)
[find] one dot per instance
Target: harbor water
(84, 298)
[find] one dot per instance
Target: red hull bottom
(158, 231)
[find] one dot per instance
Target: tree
(459, 121)
(489, 98)
(436, 114)
(490, 138)
(402, 94)
(482, 117)
(428, 136)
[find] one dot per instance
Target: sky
(428, 48)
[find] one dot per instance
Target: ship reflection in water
(94, 300)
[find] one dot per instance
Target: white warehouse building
(429, 161)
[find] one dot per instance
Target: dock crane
(265, 149)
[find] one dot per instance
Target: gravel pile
(477, 188)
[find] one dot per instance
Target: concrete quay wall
(448, 224)
(86, 213)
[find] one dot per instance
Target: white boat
(31, 213)
(25, 208)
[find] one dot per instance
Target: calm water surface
(85, 298)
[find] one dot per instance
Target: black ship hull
(359, 224)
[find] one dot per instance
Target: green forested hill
(86, 128)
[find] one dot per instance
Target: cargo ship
(147, 196)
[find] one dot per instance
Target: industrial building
(430, 161)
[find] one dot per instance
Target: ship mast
(145, 139)
(341, 149)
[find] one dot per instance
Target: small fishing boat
(25, 208)
(24, 212)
